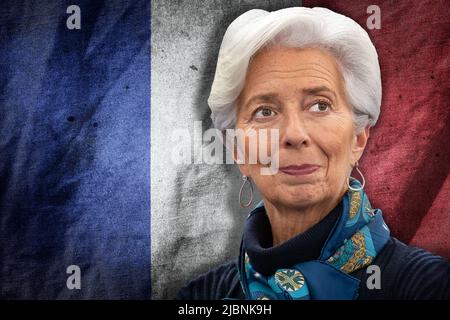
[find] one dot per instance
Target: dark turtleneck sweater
(406, 272)
(266, 259)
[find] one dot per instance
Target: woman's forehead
(292, 60)
(304, 69)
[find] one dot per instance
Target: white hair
(297, 27)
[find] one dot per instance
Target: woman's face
(301, 93)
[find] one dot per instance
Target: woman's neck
(287, 222)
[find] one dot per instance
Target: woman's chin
(300, 182)
(300, 195)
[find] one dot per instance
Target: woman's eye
(264, 113)
(320, 107)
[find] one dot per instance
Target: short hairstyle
(297, 27)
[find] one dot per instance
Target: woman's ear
(359, 144)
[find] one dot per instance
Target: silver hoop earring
(245, 180)
(362, 178)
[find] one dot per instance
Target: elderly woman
(313, 76)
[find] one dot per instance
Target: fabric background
(74, 149)
(75, 141)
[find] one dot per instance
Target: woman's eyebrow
(316, 90)
(266, 97)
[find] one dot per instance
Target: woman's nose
(293, 133)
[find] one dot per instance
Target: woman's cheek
(339, 155)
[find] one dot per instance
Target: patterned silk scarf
(353, 243)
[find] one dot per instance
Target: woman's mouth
(304, 169)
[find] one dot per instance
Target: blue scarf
(353, 243)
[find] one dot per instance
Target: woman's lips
(304, 169)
